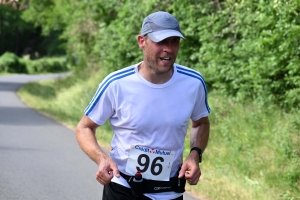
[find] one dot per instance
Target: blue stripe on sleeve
(198, 76)
(104, 85)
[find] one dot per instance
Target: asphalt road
(40, 158)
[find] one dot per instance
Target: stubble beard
(156, 70)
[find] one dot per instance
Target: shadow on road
(24, 117)
(10, 86)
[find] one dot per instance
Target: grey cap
(161, 25)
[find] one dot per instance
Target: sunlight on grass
(245, 155)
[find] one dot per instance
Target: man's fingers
(192, 181)
(116, 171)
(182, 172)
(193, 178)
(185, 168)
(104, 178)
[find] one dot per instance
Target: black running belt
(152, 186)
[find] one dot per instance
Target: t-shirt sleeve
(101, 107)
(201, 108)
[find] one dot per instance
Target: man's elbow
(78, 132)
(204, 121)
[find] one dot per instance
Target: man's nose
(167, 46)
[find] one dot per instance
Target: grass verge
(253, 152)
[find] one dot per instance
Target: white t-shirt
(149, 115)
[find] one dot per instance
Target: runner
(149, 105)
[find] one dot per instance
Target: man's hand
(85, 134)
(190, 169)
(106, 171)
(199, 138)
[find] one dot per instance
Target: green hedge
(46, 65)
(10, 63)
(248, 50)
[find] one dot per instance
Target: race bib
(155, 164)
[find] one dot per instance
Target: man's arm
(199, 138)
(200, 134)
(86, 137)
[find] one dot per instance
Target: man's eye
(175, 40)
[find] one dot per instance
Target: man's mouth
(165, 58)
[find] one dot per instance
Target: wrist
(199, 152)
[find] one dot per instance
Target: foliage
(253, 143)
(22, 37)
(46, 65)
(253, 45)
(10, 28)
(11, 63)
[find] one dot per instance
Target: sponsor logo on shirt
(152, 150)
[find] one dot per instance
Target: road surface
(40, 158)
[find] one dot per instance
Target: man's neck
(154, 77)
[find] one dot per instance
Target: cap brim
(161, 35)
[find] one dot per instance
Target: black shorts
(114, 191)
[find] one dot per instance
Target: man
(149, 106)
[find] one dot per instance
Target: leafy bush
(46, 65)
(246, 49)
(25, 38)
(11, 63)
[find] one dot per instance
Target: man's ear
(141, 41)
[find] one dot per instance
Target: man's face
(160, 56)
